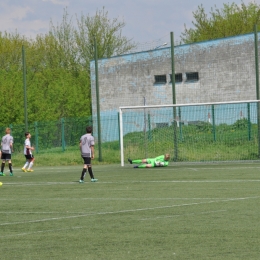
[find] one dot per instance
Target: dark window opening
(192, 76)
(178, 78)
(161, 125)
(160, 79)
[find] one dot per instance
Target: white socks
(26, 164)
(30, 165)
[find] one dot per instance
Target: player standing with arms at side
(28, 153)
(7, 146)
(87, 153)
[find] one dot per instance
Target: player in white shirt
(6, 151)
(28, 153)
(87, 153)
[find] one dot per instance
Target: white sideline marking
(177, 168)
(104, 199)
(140, 181)
(181, 215)
(42, 231)
(125, 211)
(32, 212)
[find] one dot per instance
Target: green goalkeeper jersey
(158, 161)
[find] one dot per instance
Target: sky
(145, 20)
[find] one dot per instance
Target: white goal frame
(161, 106)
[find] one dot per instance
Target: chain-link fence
(51, 136)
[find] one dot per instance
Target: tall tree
(77, 41)
(231, 20)
(57, 63)
(108, 35)
(11, 81)
(64, 35)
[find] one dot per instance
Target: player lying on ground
(160, 161)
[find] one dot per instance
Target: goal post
(219, 131)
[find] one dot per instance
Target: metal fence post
(36, 137)
(63, 134)
(175, 141)
(257, 86)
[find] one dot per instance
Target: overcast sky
(146, 20)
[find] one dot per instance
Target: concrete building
(220, 70)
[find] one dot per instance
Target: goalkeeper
(160, 161)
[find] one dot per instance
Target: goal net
(221, 131)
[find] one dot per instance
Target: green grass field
(184, 211)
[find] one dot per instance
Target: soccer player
(87, 153)
(159, 161)
(28, 153)
(6, 153)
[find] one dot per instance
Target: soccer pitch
(184, 211)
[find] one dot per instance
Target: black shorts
(28, 156)
(87, 160)
(6, 156)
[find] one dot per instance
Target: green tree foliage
(108, 35)
(57, 68)
(231, 20)
(11, 98)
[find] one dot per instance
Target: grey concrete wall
(226, 69)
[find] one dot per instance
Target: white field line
(178, 167)
(109, 182)
(172, 166)
(80, 213)
(81, 227)
(181, 215)
(124, 211)
(193, 169)
(42, 231)
(201, 170)
(108, 199)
